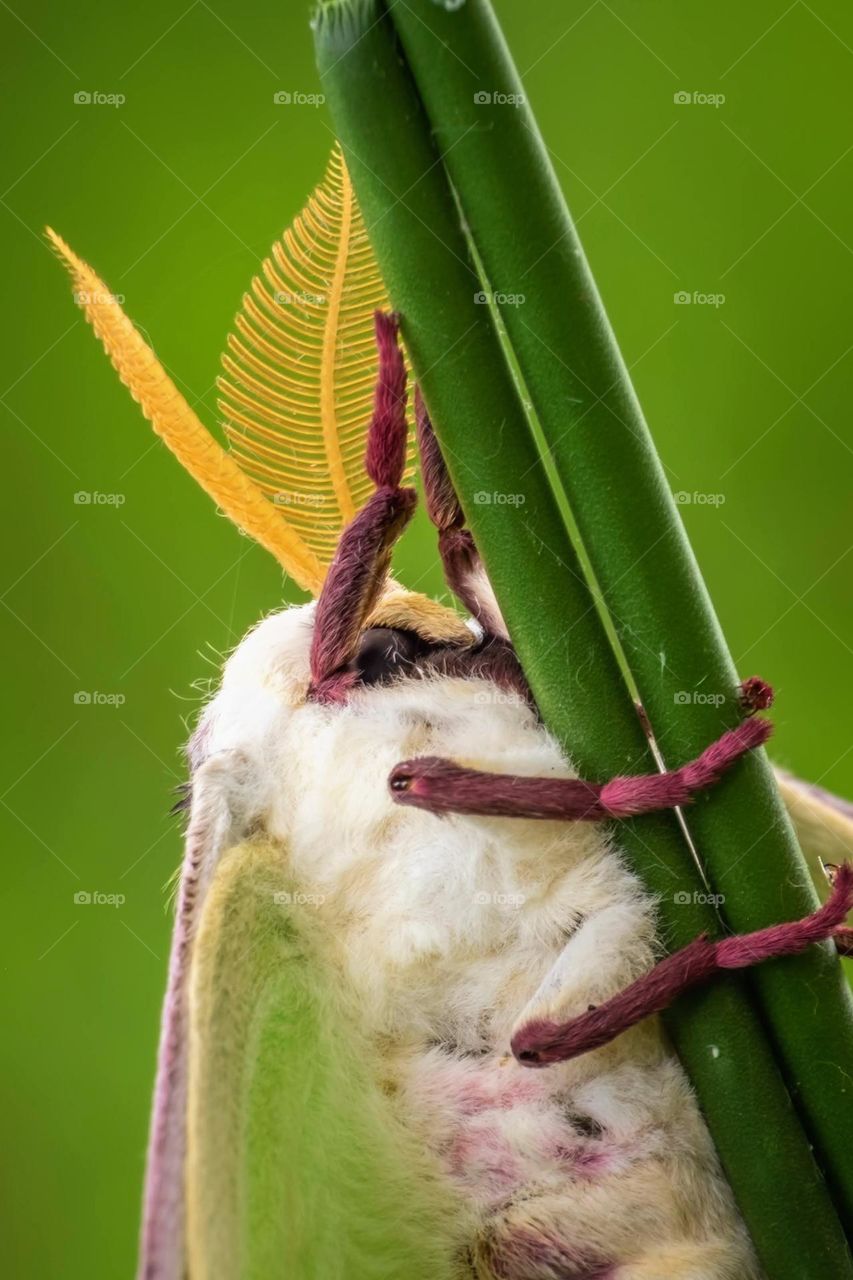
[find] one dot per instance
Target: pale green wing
(297, 1165)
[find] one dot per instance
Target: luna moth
(407, 1030)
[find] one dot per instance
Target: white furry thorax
(437, 919)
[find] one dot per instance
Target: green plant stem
(486, 438)
(633, 535)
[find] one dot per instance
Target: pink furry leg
(360, 567)
(440, 786)
(625, 797)
(464, 571)
(541, 1043)
(385, 457)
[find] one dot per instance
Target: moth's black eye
(384, 653)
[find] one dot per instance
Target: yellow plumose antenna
(298, 384)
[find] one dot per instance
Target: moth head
(320, 451)
(402, 637)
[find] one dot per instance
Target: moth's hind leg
(523, 1247)
(628, 1230)
(464, 571)
(360, 568)
(706, 1260)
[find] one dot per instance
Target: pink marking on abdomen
(584, 1160)
(483, 1159)
(489, 1090)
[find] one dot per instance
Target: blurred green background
(175, 195)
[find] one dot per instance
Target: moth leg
(543, 1042)
(545, 1237)
(706, 1260)
(464, 571)
(610, 948)
(360, 567)
(440, 786)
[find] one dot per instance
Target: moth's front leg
(442, 786)
(359, 571)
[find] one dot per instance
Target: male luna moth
(407, 1028)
